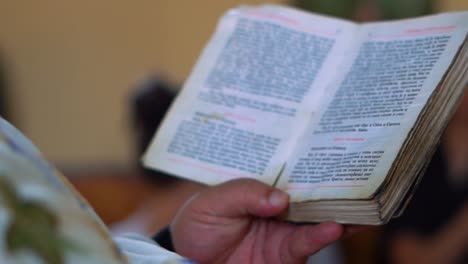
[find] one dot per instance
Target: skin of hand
(234, 223)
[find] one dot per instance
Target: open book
(342, 116)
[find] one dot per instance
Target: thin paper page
(350, 150)
(249, 96)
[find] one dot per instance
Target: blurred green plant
(386, 9)
(395, 9)
(338, 8)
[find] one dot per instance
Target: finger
(243, 197)
(308, 240)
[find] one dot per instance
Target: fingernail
(277, 198)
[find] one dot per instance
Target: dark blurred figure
(434, 226)
(3, 87)
(149, 103)
(165, 194)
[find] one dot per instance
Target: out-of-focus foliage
(386, 9)
(394, 9)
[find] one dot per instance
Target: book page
(251, 94)
(347, 153)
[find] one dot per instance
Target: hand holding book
(342, 116)
(45, 220)
(232, 223)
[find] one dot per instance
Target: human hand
(232, 223)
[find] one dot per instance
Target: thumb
(242, 197)
(307, 240)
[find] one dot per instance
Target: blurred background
(72, 74)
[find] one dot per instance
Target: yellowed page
(348, 151)
(253, 90)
